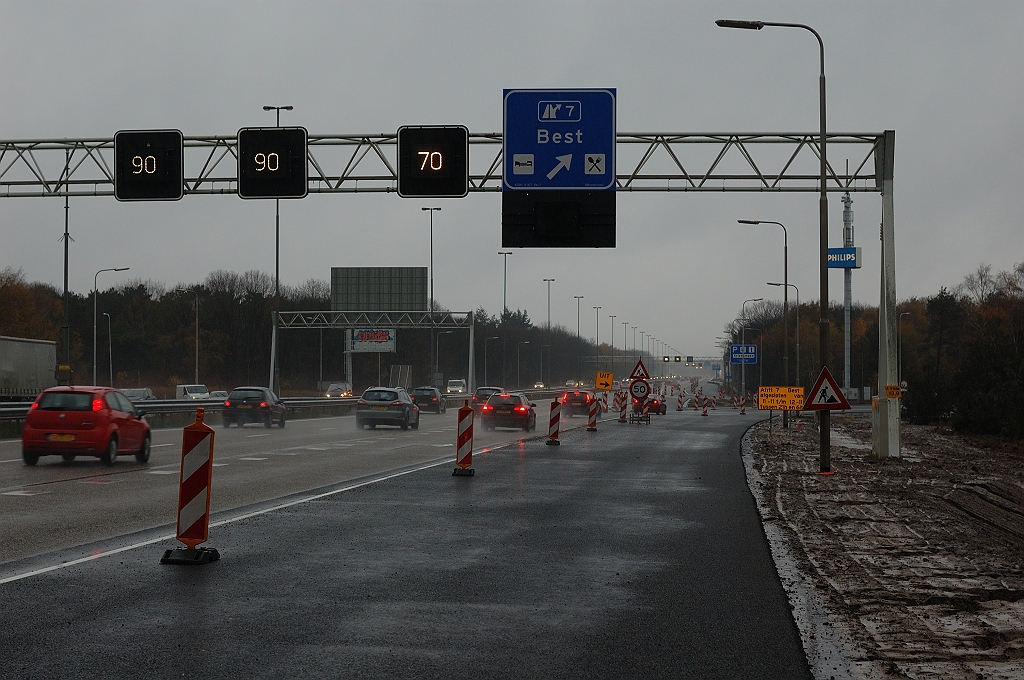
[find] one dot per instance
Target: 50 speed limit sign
(640, 389)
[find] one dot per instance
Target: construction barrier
(464, 442)
(705, 411)
(604, 401)
(554, 423)
(714, 403)
(735, 401)
(622, 410)
(592, 417)
(743, 406)
(679, 402)
(194, 486)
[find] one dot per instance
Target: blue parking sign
(559, 139)
(742, 354)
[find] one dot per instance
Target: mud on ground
(918, 560)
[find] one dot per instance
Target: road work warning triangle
(640, 371)
(825, 395)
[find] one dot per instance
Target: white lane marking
(441, 446)
(12, 460)
(437, 431)
(98, 480)
(252, 458)
(285, 453)
(258, 435)
(218, 464)
(23, 492)
(324, 429)
(315, 448)
(162, 472)
(157, 446)
(257, 513)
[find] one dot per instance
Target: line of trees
(152, 334)
(961, 351)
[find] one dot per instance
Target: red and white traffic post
(464, 442)
(592, 417)
(554, 423)
(623, 404)
(679, 402)
(194, 486)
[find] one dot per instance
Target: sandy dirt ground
(911, 568)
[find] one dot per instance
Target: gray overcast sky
(945, 76)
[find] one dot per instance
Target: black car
(508, 410)
(137, 394)
(578, 402)
(429, 399)
(481, 396)
(253, 405)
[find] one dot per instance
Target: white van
(456, 387)
(191, 392)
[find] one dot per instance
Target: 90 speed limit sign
(640, 389)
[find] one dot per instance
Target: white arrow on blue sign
(559, 139)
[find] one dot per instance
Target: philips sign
(844, 258)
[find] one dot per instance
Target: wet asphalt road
(633, 552)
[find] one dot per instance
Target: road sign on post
(604, 380)
(640, 371)
(639, 390)
(742, 354)
(780, 398)
(558, 177)
(826, 395)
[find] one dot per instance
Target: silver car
(387, 406)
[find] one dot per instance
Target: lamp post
(824, 444)
(625, 325)
(110, 350)
(642, 345)
(437, 350)
(275, 369)
(743, 340)
(519, 347)
(504, 289)
(431, 211)
(611, 342)
(899, 332)
(597, 332)
(548, 281)
(790, 285)
(95, 293)
(634, 339)
(486, 340)
(760, 359)
(785, 305)
(578, 298)
(196, 291)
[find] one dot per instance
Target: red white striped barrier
(743, 406)
(554, 423)
(194, 486)
(622, 409)
(679, 402)
(592, 417)
(604, 400)
(714, 403)
(693, 401)
(464, 442)
(735, 401)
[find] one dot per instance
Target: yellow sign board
(604, 381)
(893, 392)
(780, 398)
(63, 367)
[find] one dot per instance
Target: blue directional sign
(559, 139)
(844, 258)
(742, 354)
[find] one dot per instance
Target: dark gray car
(387, 406)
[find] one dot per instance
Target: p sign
(639, 390)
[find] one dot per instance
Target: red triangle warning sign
(826, 395)
(640, 371)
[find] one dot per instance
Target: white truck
(27, 367)
(191, 392)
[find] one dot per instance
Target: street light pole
(578, 298)
(824, 442)
(432, 333)
(95, 294)
(743, 340)
(519, 347)
(597, 329)
(785, 305)
(437, 348)
(504, 289)
(611, 342)
(493, 337)
(899, 332)
(790, 285)
(634, 339)
(549, 301)
(110, 350)
(275, 369)
(625, 324)
(196, 291)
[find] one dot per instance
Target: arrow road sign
(826, 395)
(559, 139)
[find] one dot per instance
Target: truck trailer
(27, 367)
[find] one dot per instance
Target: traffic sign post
(604, 381)
(826, 395)
(780, 398)
(640, 389)
(742, 354)
(640, 371)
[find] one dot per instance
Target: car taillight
(433, 399)
(34, 406)
(362, 402)
(587, 397)
(521, 409)
(487, 407)
(396, 402)
(97, 404)
(227, 403)
(263, 404)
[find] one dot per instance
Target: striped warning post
(554, 423)
(195, 482)
(464, 442)
(604, 401)
(592, 417)
(622, 408)
(705, 411)
(714, 403)
(735, 401)
(694, 400)
(743, 406)
(679, 402)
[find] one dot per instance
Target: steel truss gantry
(647, 161)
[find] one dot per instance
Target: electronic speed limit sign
(640, 389)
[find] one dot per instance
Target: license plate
(380, 408)
(245, 406)
(504, 412)
(60, 437)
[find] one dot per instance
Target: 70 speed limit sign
(640, 389)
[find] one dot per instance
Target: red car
(656, 406)
(84, 421)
